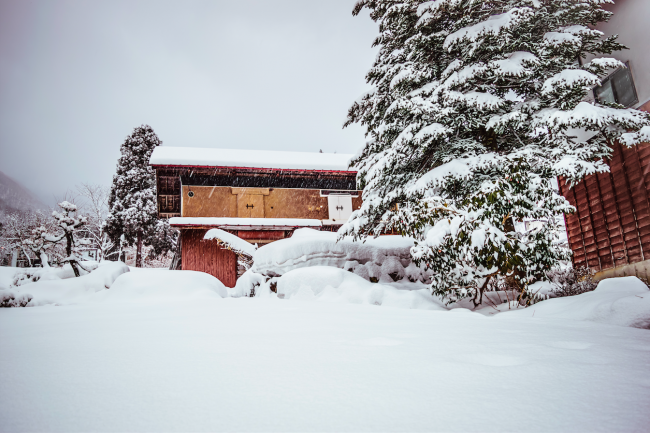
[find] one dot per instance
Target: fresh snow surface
(235, 242)
(244, 222)
(7, 274)
(376, 257)
(163, 351)
(165, 155)
(159, 285)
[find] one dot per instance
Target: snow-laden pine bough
(476, 108)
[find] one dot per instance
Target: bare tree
(93, 200)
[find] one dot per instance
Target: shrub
(572, 281)
(10, 299)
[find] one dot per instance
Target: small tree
(95, 206)
(132, 200)
(68, 224)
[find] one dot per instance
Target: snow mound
(7, 274)
(246, 284)
(329, 284)
(70, 290)
(386, 259)
(623, 301)
(163, 285)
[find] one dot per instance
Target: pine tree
(473, 114)
(132, 200)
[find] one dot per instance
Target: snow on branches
(471, 119)
(68, 222)
(133, 208)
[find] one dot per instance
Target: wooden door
(250, 206)
(206, 256)
(340, 207)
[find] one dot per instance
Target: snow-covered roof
(210, 157)
(244, 223)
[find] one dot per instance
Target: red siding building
(259, 196)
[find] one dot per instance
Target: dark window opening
(618, 88)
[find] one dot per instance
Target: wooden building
(610, 231)
(261, 196)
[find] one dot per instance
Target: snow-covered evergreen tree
(475, 110)
(132, 201)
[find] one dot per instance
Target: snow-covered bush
(247, 284)
(59, 285)
(32, 275)
(10, 299)
(384, 259)
(328, 284)
(570, 281)
(472, 116)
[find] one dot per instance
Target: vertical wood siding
(208, 257)
(611, 225)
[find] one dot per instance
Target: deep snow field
(172, 351)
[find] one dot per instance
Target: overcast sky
(77, 76)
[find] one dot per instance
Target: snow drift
(623, 301)
(163, 285)
(330, 284)
(384, 259)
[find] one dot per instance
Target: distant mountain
(14, 196)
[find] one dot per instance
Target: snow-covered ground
(170, 351)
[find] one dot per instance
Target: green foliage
(470, 122)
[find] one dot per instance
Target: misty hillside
(14, 196)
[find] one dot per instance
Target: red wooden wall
(207, 256)
(611, 225)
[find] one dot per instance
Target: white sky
(77, 76)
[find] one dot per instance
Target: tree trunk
(44, 260)
(138, 253)
(176, 263)
(68, 250)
